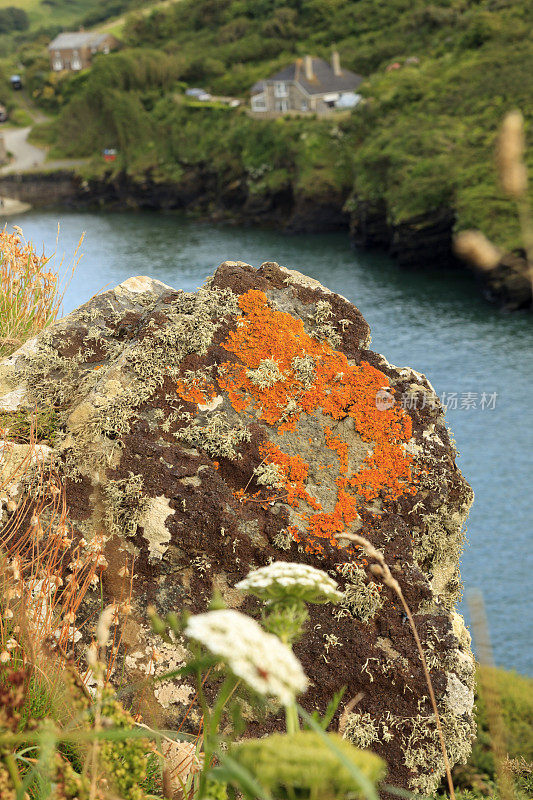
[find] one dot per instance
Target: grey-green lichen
(361, 730)
(269, 475)
(324, 328)
(283, 540)
(304, 369)
(124, 505)
(422, 748)
(98, 405)
(266, 374)
(361, 596)
(216, 435)
(419, 741)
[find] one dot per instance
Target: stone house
(308, 85)
(75, 51)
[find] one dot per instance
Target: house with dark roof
(308, 85)
(75, 51)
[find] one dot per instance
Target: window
(305, 105)
(259, 102)
(57, 63)
(280, 89)
(75, 63)
(282, 105)
(105, 49)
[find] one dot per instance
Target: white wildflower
(282, 580)
(4, 657)
(259, 658)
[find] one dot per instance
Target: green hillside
(424, 139)
(27, 19)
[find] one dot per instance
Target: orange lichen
(294, 471)
(198, 391)
(267, 338)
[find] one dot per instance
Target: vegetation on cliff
(422, 141)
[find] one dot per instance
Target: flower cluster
(283, 580)
(267, 665)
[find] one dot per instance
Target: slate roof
(74, 41)
(324, 80)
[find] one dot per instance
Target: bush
(13, 19)
(20, 117)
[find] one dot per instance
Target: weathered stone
(206, 433)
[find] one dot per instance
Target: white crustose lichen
(285, 580)
(260, 659)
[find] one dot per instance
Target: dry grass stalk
(381, 570)
(474, 247)
(487, 679)
(513, 176)
(30, 291)
(45, 575)
(348, 708)
(510, 155)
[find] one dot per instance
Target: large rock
(207, 433)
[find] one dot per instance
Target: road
(28, 157)
(25, 155)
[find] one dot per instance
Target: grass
(115, 25)
(478, 777)
(58, 12)
(25, 426)
(31, 291)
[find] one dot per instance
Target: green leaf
(235, 773)
(330, 710)
(359, 777)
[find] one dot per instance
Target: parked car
(198, 94)
(16, 82)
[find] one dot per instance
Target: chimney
(336, 64)
(309, 75)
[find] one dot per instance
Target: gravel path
(25, 155)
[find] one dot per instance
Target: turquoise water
(437, 324)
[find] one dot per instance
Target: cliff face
(205, 433)
(424, 242)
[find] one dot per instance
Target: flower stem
(291, 718)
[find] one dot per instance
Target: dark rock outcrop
(205, 433)
(509, 283)
(368, 225)
(425, 240)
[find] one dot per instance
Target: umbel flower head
(266, 664)
(285, 581)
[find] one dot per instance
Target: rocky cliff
(205, 433)
(423, 242)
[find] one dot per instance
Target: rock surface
(509, 283)
(206, 433)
